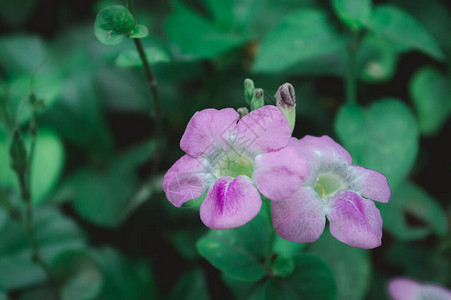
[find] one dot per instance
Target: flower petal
(403, 289)
(432, 291)
(299, 218)
(208, 131)
(354, 220)
(326, 148)
(280, 173)
(186, 180)
(230, 203)
(262, 130)
(370, 184)
(313, 160)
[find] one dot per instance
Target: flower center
(235, 165)
(328, 184)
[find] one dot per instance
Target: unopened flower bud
(248, 90)
(286, 102)
(242, 111)
(258, 100)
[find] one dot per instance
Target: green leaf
(25, 54)
(185, 240)
(139, 32)
(286, 248)
(241, 289)
(350, 266)
(376, 59)
(119, 84)
(431, 95)
(420, 262)
(238, 252)
(311, 279)
(113, 24)
(38, 293)
(233, 14)
(3, 296)
(130, 57)
(46, 167)
(80, 277)
(191, 286)
(197, 38)
(353, 13)
(124, 279)
(408, 198)
(283, 266)
(55, 234)
(78, 116)
(304, 34)
(403, 30)
(47, 87)
(107, 197)
(332, 63)
(382, 137)
(435, 15)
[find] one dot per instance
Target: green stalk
(10, 209)
(272, 235)
(21, 164)
(153, 87)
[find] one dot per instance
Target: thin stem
(22, 170)
(272, 235)
(153, 87)
(36, 253)
(151, 82)
(351, 75)
(6, 115)
(10, 209)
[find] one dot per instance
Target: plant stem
(351, 75)
(10, 209)
(153, 87)
(6, 115)
(272, 235)
(151, 82)
(22, 166)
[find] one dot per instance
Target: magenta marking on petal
(354, 220)
(230, 203)
(220, 193)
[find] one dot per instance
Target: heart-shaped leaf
(408, 199)
(238, 252)
(113, 24)
(431, 95)
(403, 30)
(304, 34)
(383, 137)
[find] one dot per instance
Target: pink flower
(406, 289)
(336, 189)
(234, 160)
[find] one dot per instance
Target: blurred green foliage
(102, 223)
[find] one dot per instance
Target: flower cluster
(234, 160)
